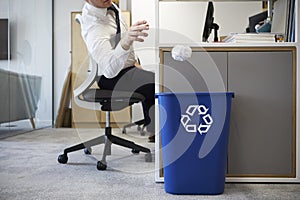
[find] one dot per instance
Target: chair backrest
(89, 81)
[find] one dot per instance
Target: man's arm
(112, 61)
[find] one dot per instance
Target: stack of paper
(250, 38)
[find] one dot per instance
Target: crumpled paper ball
(181, 52)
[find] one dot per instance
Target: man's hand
(135, 33)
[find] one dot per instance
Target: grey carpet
(29, 170)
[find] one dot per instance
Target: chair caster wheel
(63, 158)
(143, 133)
(135, 151)
(148, 157)
(101, 166)
(88, 150)
(124, 131)
(139, 128)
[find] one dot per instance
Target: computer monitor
(209, 24)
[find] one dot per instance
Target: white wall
(187, 19)
(145, 50)
(145, 10)
(62, 43)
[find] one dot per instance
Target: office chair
(103, 100)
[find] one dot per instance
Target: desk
(262, 143)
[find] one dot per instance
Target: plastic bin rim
(193, 93)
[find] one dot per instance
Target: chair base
(108, 139)
(138, 124)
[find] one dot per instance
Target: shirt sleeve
(99, 43)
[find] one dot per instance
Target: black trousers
(134, 79)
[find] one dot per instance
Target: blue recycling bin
(194, 130)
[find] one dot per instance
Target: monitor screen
(209, 24)
(4, 39)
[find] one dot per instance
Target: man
(117, 66)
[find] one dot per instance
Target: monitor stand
(216, 28)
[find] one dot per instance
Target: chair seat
(112, 100)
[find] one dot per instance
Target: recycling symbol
(203, 112)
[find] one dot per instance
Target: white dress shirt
(98, 29)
